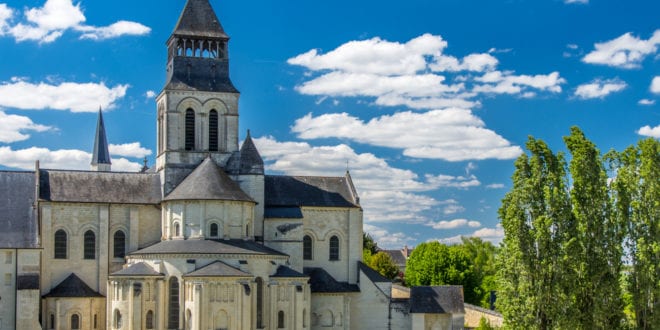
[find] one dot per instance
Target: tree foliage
(383, 264)
(483, 254)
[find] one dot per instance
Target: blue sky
(428, 103)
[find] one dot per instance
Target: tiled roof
(397, 256)
(321, 281)
(72, 287)
(283, 212)
(235, 246)
(218, 269)
(437, 299)
(287, 191)
(251, 162)
(284, 271)
(373, 275)
(17, 213)
(208, 182)
(99, 187)
(198, 19)
(138, 269)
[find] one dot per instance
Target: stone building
(203, 240)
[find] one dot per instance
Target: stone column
(104, 248)
(197, 306)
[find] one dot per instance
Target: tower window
(260, 302)
(307, 248)
(214, 230)
(89, 245)
(150, 320)
(190, 129)
(334, 248)
(119, 245)
(75, 322)
(173, 308)
(280, 320)
(213, 131)
(60, 244)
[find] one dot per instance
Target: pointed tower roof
(198, 19)
(208, 182)
(251, 161)
(72, 286)
(100, 155)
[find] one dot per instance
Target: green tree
(483, 256)
(369, 244)
(434, 263)
(383, 264)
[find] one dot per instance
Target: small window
(307, 248)
(214, 230)
(334, 248)
(213, 130)
(75, 322)
(9, 257)
(190, 130)
(173, 306)
(117, 319)
(52, 321)
(96, 323)
(119, 244)
(280, 320)
(60, 244)
(177, 230)
(89, 245)
(150, 320)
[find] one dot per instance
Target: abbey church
(204, 239)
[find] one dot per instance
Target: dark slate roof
(99, 187)
(251, 162)
(218, 269)
(198, 19)
(437, 299)
(139, 269)
(321, 281)
(397, 257)
(199, 74)
(100, 154)
(283, 212)
(208, 182)
(373, 275)
(17, 214)
(235, 246)
(284, 271)
(72, 287)
(309, 191)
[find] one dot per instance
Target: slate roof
(321, 281)
(199, 19)
(218, 269)
(17, 214)
(286, 191)
(235, 246)
(138, 269)
(437, 299)
(99, 187)
(284, 271)
(72, 287)
(208, 182)
(373, 275)
(397, 256)
(100, 155)
(251, 162)
(283, 213)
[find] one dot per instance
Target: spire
(251, 161)
(100, 154)
(198, 19)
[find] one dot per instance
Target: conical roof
(251, 161)
(199, 20)
(208, 182)
(100, 155)
(73, 287)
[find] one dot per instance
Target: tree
(483, 255)
(434, 263)
(383, 264)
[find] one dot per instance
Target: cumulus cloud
(646, 102)
(650, 131)
(454, 224)
(13, 128)
(386, 239)
(451, 206)
(498, 82)
(69, 159)
(75, 97)
(495, 186)
(47, 23)
(5, 15)
(451, 134)
(133, 150)
(599, 88)
(150, 94)
(493, 235)
(655, 85)
(626, 51)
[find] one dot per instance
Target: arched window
(119, 244)
(60, 244)
(307, 248)
(214, 230)
(75, 322)
(149, 323)
(260, 302)
(173, 306)
(280, 320)
(177, 230)
(89, 245)
(334, 248)
(190, 129)
(213, 130)
(117, 319)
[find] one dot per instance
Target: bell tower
(198, 107)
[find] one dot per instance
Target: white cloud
(626, 51)
(150, 94)
(650, 131)
(576, 1)
(451, 206)
(493, 235)
(5, 15)
(46, 24)
(498, 82)
(646, 102)
(13, 127)
(451, 134)
(599, 88)
(76, 97)
(655, 85)
(386, 240)
(495, 186)
(454, 224)
(133, 150)
(57, 159)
